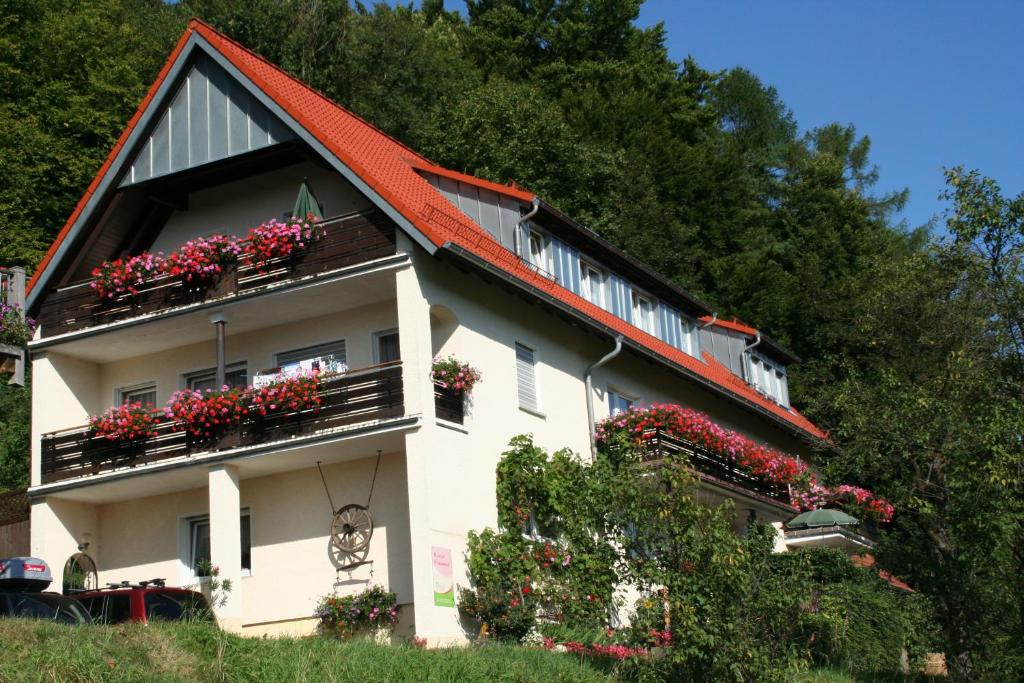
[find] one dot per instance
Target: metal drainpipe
(516, 239)
(219, 321)
(714, 319)
(746, 356)
(590, 392)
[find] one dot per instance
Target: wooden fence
(14, 523)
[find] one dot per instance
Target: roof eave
(697, 305)
(472, 259)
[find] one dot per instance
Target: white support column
(436, 624)
(226, 539)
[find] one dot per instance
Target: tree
(71, 74)
(931, 416)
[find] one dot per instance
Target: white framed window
(526, 378)
(691, 336)
(385, 346)
(332, 349)
(537, 250)
(643, 312)
(198, 534)
(592, 283)
(769, 378)
(619, 402)
(236, 375)
(144, 393)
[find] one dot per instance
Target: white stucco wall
(64, 393)
(452, 471)
(293, 563)
(234, 207)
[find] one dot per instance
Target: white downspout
(516, 238)
(587, 381)
(747, 356)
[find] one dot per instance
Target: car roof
(134, 589)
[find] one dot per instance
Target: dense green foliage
(42, 651)
(913, 350)
(932, 413)
(720, 605)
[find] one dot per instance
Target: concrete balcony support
(226, 539)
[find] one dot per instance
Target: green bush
(859, 623)
(717, 606)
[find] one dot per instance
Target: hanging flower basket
(120, 277)
(206, 416)
(372, 612)
(125, 423)
(14, 329)
(291, 394)
(280, 239)
(199, 262)
(451, 373)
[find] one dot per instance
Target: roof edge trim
(477, 262)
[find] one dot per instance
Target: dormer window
(643, 312)
(592, 283)
(537, 251)
(769, 378)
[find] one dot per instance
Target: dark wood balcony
(349, 240)
(448, 404)
(713, 468)
(358, 396)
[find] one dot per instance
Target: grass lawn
(42, 651)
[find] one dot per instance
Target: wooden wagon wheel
(351, 528)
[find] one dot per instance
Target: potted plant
(373, 612)
(128, 422)
(451, 373)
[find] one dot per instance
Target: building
(417, 262)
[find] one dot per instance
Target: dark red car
(144, 602)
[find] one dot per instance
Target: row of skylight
(601, 287)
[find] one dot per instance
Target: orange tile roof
(390, 169)
(867, 561)
(734, 325)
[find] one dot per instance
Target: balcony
(358, 396)
(349, 240)
(715, 470)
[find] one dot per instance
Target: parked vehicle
(23, 584)
(144, 602)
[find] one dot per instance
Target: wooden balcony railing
(713, 467)
(448, 404)
(358, 396)
(349, 239)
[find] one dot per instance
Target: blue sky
(932, 83)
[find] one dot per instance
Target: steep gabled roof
(389, 173)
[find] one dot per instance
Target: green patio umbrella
(306, 202)
(820, 518)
